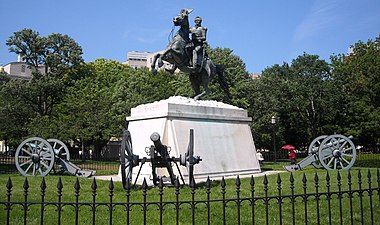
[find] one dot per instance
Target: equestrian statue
(189, 55)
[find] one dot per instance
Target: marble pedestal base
(222, 137)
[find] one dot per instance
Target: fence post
(177, 192)
(293, 198)
(266, 200)
(279, 200)
(77, 190)
(25, 205)
(328, 195)
(361, 196)
(252, 185)
(111, 187)
(317, 197)
(9, 193)
(349, 194)
(59, 193)
(370, 194)
(238, 183)
(208, 192)
(144, 190)
(94, 186)
(128, 195)
(192, 187)
(161, 193)
(304, 183)
(340, 197)
(43, 190)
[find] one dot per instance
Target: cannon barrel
(161, 148)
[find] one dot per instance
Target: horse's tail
(222, 79)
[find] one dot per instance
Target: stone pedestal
(222, 136)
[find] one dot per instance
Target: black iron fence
(333, 198)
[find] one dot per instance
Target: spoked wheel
(313, 149)
(337, 152)
(188, 159)
(34, 156)
(61, 151)
(190, 154)
(126, 158)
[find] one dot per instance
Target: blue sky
(262, 33)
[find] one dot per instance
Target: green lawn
(362, 202)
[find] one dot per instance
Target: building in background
(21, 69)
(255, 75)
(143, 59)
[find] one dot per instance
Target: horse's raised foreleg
(153, 65)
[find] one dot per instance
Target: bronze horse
(179, 55)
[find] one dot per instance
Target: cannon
(36, 156)
(158, 157)
(334, 152)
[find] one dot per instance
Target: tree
(95, 107)
(62, 54)
(14, 113)
(237, 77)
(359, 75)
(58, 53)
(29, 45)
(302, 95)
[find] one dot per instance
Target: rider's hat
(198, 18)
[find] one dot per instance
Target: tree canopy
(89, 101)
(359, 75)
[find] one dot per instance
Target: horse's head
(180, 19)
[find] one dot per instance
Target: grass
(137, 216)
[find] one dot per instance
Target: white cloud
(323, 16)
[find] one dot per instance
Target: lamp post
(274, 137)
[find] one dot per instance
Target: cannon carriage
(334, 152)
(36, 156)
(158, 157)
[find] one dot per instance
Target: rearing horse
(177, 54)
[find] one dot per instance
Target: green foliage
(27, 106)
(58, 53)
(236, 75)
(14, 113)
(359, 74)
(30, 45)
(303, 97)
(77, 101)
(95, 107)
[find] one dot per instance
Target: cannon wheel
(60, 151)
(190, 153)
(126, 158)
(337, 152)
(314, 147)
(188, 159)
(34, 156)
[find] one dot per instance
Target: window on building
(23, 68)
